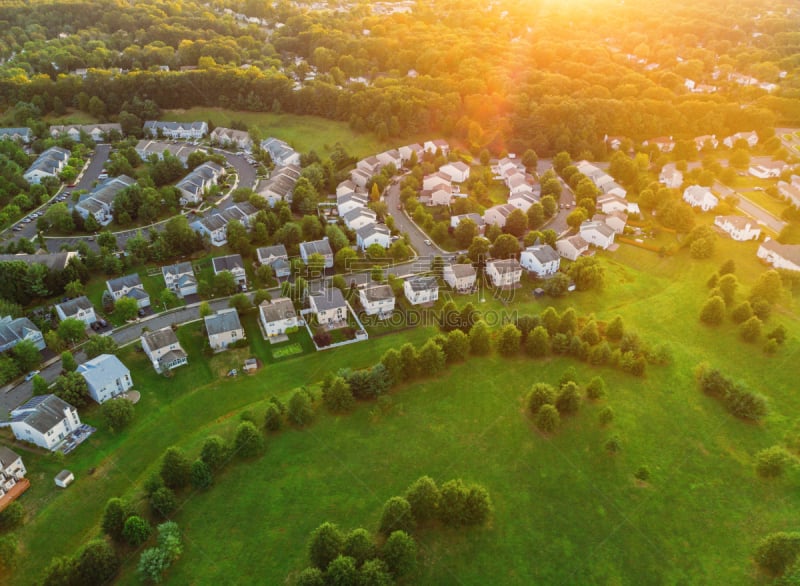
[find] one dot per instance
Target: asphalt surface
(424, 246)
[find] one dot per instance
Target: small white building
(377, 299)
(163, 349)
(540, 259)
(64, 478)
(460, 277)
(129, 286)
(278, 317)
(233, 264)
(670, 176)
(179, 278)
(79, 308)
(458, 171)
(329, 307)
(322, 247)
(44, 420)
(573, 247)
(504, 273)
(419, 290)
(597, 233)
(780, 256)
(106, 377)
(223, 329)
(700, 197)
(12, 475)
(739, 228)
(371, 234)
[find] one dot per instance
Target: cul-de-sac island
(405, 292)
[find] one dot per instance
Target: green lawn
(564, 511)
(304, 133)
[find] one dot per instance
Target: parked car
(31, 374)
(141, 312)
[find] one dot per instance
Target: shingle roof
(223, 321)
(128, 281)
(73, 306)
(7, 457)
(160, 338)
(463, 270)
(41, 413)
(227, 263)
(328, 299)
(181, 268)
(506, 265)
(278, 309)
(422, 283)
(102, 370)
(322, 247)
(544, 253)
(378, 292)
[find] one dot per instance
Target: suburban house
(377, 299)
(522, 200)
(149, 148)
(12, 477)
(497, 215)
(739, 228)
(106, 377)
(176, 130)
(230, 138)
(780, 256)
(360, 178)
(504, 273)
(373, 234)
(359, 217)
(434, 179)
(768, 170)
(440, 195)
(390, 157)
(55, 261)
(670, 176)
(278, 316)
(419, 290)
(233, 264)
(329, 307)
(751, 138)
(458, 171)
(431, 146)
(460, 277)
(44, 420)
(573, 247)
(540, 259)
(506, 164)
(370, 165)
(223, 329)
(79, 308)
(665, 144)
(407, 150)
(706, 141)
(790, 191)
(129, 286)
(276, 257)
(322, 247)
(214, 226)
(280, 152)
(13, 331)
(195, 185)
(518, 182)
(350, 201)
(279, 186)
(597, 233)
(614, 220)
(23, 134)
(48, 164)
(701, 197)
(163, 349)
(476, 218)
(97, 132)
(100, 202)
(347, 186)
(179, 278)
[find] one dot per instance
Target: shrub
(163, 502)
(117, 413)
(300, 411)
(175, 468)
(541, 394)
(396, 516)
(596, 389)
(359, 545)
(12, 516)
(400, 553)
(613, 445)
(547, 419)
(713, 312)
(136, 530)
(273, 420)
(605, 416)
(248, 442)
(777, 551)
(643, 473)
(214, 452)
(324, 545)
(568, 399)
(423, 496)
(772, 462)
(201, 475)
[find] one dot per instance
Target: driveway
(403, 223)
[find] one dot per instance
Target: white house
(22, 134)
(670, 176)
(233, 264)
(597, 233)
(497, 215)
(431, 146)
(100, 202)
(223, 329)
(347, 186)
(359, 217)
(179, 278)
(329, 307)
(373, 234)
(13, 331)
(12, 475)
(129, 286)
(390, 157)
(44, 420)
(97, 132)
(458, 171)
(701, 197)
(460, 277)
(419, 290)
(106, 377)
(197, 183)
(780, 256)
(440, 195)
(504, 273)
(407, 150)
(230, 138)
(370, 165)
(278, 316)
(522, 200)
(148, 148)
(280, 152)
(540, 259)
(322, 247)
(751, 138)
(79, 308)
(434, 179)
(48, 164)
(163, 349)
(360, 178)
(350, 201)
(739, 228)
(476, 218)
(573, 247)
(176, 130)
(768, 170)
(377, 299)
(276, 257)
(615, 220)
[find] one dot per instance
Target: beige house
(278, 316)
(163, 349)
(330, 308)
(223, 329)
(460, 277)
(504, 273)
(377, 299)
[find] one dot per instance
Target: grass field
(304, 133)
(564, 511)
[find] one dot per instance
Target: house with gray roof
(106, 377)
(419, 290)
(231, 138)
(176, 130)
(277, 258)
(280, 152)
(476, 218)
(223, 329)
(129, 286)
(377, 299)
(163, 349)
(371, 234)
(100, 202)
(13, 331)
(780, 256)
(212, 226)
(48, 164)
(278, 316)
(179, 278)
(497, 215)
(504, 273)
(330, 308)
(540, 259)
(45, 420)
(12, 477)
(460, 277)
(79, 308)
(597, 233)
(55, 261)
(322, 247)
(196, 184)
(97, 132)
(147, 148)
(232, 263)
(22, 134)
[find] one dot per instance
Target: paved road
(761, 215)
(403, 223)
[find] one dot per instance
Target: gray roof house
(23, 134)
(44, 420)
(13, 331)
(182, 130)
(79, 308)
(277, 258)
(280, 152)
(179, 278)
(106, 377)
(100, 202)
(322, 247)
(330, 308)
(232, 263)
(48, 164)
(163, 349)
(419, 290)
(223, 329)
(129, 286)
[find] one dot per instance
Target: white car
(31, 374)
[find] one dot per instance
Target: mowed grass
(564, 511)
(304, 133)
